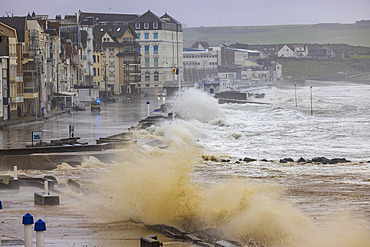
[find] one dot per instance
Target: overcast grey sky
(196, 13)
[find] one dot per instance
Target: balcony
(133, 72)
(30, 90)
(29, 74)
(28, 54)
(129, 53)
(131, 62)
(19, 78)
(18, 99)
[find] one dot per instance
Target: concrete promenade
(31, 119)
(75, 221)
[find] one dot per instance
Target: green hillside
(353, 34)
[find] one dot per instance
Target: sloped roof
(148, 16)
(104, 17)
(113, 30)
(204, 44)
(18, 23)
(319, 53)
(249, 63)
(172, 20)
(116, 31)
(289, 46)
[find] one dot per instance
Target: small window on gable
(137, 25)
(155, 25)
(146, 25)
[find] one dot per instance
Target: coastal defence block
(223, 243)
(41, 199)
(150, 241)
(9, 183)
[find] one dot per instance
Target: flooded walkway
(114, 118)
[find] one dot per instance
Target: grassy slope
(308, 68)
(352, 34)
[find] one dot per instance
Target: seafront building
(228, 62)
(120, 58)
(161, 47)
(49, 63)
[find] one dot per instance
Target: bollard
(15, 173)
(148, 103)
(295, 95)
(27, 221)
(40, 227)
(46, 188)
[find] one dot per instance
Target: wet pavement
(75, 222)
(114, 118)
(72, 223)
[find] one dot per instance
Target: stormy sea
(234, 168)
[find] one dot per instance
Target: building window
(94, 58)
(155, 25)
(146, 25)
(98, 72)
(147, 76)
(138, 35)
(94, 71)
(111, 49)
(98, 58)
(156, 62)
(156, 76)
(137, 25)
(146, 62)
(146, 36)
(147, 49)
(155, 35)
(138, 49)
(155, 47)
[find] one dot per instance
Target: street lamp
(89, 66)
(105, 79)
(58, 86)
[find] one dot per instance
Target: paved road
(114, 118)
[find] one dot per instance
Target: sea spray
(154, 186)
(195, 104)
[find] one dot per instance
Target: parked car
(95, 105)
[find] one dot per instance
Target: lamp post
(89, 66)
(124, 78)
(58, 86)
(105, 79)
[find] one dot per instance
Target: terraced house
(121, 58)
(158, 50)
